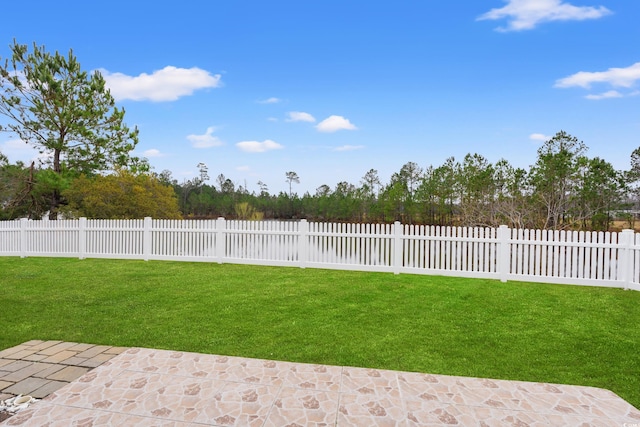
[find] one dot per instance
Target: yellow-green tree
(245, 211)
(121, 195)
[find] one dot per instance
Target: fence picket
(575, 257)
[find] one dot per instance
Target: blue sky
(331, 89)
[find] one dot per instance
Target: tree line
(87, 169)
(563, 189)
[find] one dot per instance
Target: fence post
(146, 238)
(303, 243)
(82, 238)
(625, 262)
(220, 238)
(23, 237)
(396, 254)
(504, 252)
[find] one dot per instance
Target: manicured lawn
(483, 328)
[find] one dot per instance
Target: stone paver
(69, 373)
(5, 354)
(49, 371)
(16, 365)
(40, 367)
(96, 361)
(26, 386)
(47, 389)
(55, 349)
(41, 345)
(35, 357)
(60, 356)
(21, 354)
(26, 372)
(94, 351)
(81, 347)
(115, 350)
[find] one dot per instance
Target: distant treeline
(563, 189)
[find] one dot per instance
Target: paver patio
(38, 368)
(149, 387)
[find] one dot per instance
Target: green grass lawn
(442, 325)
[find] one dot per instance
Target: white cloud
(616, 77)
(335, 123)
(15, 144)
(18, 150)
(152, 152)
(272, 119)
(539, 137)
(259, 147)
(205, 141)
(272, 100)
(167, 84)
(299, 116)
(608, 94)
(243, 168)
(526, 14)
(349, 148)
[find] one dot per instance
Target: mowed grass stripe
(442, 325)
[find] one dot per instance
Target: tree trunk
(55, 203)
(56, 197)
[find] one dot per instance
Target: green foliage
(438, 193)
(13, 190)
(120, 195)
(24, 190)
(399, 197)
(392, 199)
(441, 325)
(564, 189)
(554, 177)
(65, 113)
(477, 181)
(599, 192)
(513, 204)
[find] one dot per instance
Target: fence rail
(563, 257)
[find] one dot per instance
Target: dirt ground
(620, 225)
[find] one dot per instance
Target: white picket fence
(565, 257)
